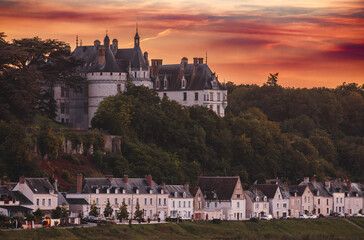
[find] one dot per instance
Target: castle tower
(107, 41)
(136, 38)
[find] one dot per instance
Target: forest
(268, 131)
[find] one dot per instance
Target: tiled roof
(179, 189)
(268, 189)
(198, 77)
(40, 185)
(91, 184)
(221, 187)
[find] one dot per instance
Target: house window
(116, 201)
(179, 203)
(144, 74)
(123, 200)
(183, 83)
(196, 96)
(277, 205)
(207, 205)
(37, 202)
(129, 201)
(165, 83)
(43, 202)
(238, 204)
(284, 205)
(199, 205)
(100, 73)
(165, 202)
(257, 206)
(341, 200)
(327, 201)
(218, 109)
(173, 204)
(145, 201)
(135, 74)
(189, 204)
(319, 210)
(238, 196)
(97, 200)
(159, 201)
(184, 96)
(62, 108)
(151, 201)
(265, 205)
(327, 210)
(49, 202)
(211, 96)
(305, 199)
(151, 213)
(318, 201)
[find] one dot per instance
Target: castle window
(196, 96)
(184, 96)
(62, 108)
(111, 74)
(211, 96)
(135, 74)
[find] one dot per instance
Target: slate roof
(77, 201)
(198, 77)
(61, 199)
(268, 189)
(4, 191)
(91, 184)
(299, 189)
(134, 56)
(318, 189)
(15, 208)
(223, 187)
(180, 189)
(194, 190)
(40, 185)
(253, 194)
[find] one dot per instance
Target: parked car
(312, 217)
(358, 215)
(267, 217)
(303, 216)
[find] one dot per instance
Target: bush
(65, 175)
(254, 220)
(216, 221)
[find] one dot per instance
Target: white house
(180, 201)
(278, 201)
(224, 195)
(257, 204)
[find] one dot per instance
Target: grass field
(322, 229)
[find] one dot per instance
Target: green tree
(138, 214)
(38, 214)
(60, 212)
(94, 211)
(123, 212)
(108, 210)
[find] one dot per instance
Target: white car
(358, 215)
(267, 217)
(312, 217)
(303, 216)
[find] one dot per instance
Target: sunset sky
(311, 43)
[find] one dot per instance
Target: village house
(278, 201)
(300, 200)
(257, 204)
(14, 203)
(224, 194)
(337, 190)
(152, 198)
(40, 192)
(322, 198)
(198, 203)
(180, 201)
(353, 198)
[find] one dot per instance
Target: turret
(107, 41)
(136, 38)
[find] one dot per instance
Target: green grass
(320, 229)
(358, 221)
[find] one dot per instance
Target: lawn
(322, 229)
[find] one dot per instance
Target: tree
(272, 80)
(123, 212)
(60, 212)
(108, 210)
(138, 214)
(94, 211)
(38, 214)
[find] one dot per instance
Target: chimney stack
(349, 185)
(79, 183)
(306, 180)
(110, 177)
(146, 58)
(101, 51)
(184, 62)
(126, 178)
(149, 180)
(187, 186)
(96, 44)
(164, 186)
(22, 180)
(155, 64)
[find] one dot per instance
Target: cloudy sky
(311, 43)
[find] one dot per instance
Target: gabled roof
(40, 185)
(198, 77)
(221, 187)
(268, 189)
(194, 190)
(179, 189)
(90, 185)
(18, 196)
(253, 194)
(318, 189)
(299, 189)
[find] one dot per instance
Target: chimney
(349, 185)
(313, 180)
(110, 177)
(115, 44)
(184, 62)
(187, 186)
(155, 64)
(101, 51)
(149, 180)
(306, 180)
(96, 44)
(56, 184)
(146, 58)
(22, 180)
(126, 178)
(164, 186)
(79, 183)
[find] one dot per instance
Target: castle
(107, 68)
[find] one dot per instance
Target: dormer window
(108, 191)
(157, 83)
(116, 190)
(97, 191)
(184, 83)
(215, 195)
(175, 194)
(214, 84)
(51, 191)
(124, 191)
(257, 199)
(265, 198)
(150, 191)
(184, 194)
(162, 191)
(165, 82)
(137, 191)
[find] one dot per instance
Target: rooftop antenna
(206, 57)
(76, 40)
